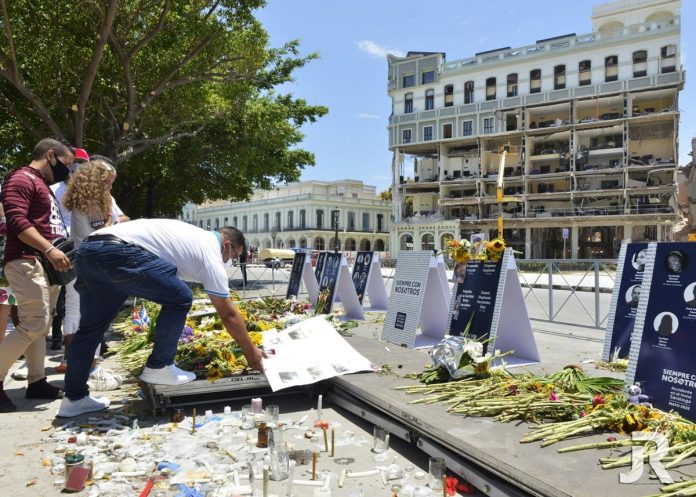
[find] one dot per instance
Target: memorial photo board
(296, 275)
(368, 281)
(664, 335)
(417, 300)
(490, 296)
(320, 265)
(327, 283)
(624, 300)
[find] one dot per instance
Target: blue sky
(350, 77)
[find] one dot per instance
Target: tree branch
(127, 76)
(12, 109)
(10, 38)
(153, 32)
(142, 145)
(32, 97)
(162, 85)
(91, 71)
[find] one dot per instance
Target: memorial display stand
(368, 281)
(490, 298)
(418, 300)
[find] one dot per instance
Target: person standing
(33, 222)
(150, 259)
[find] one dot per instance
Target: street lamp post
(334, 221)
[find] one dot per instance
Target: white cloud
(367, 115)
(376, 50)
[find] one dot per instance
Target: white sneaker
(20, 373)
(168, 375)
(70, 408)
(103, 380)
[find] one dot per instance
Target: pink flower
(553, 396)
(597, 400)
(611, 439)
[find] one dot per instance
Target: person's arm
(33, 238)
(232, 319)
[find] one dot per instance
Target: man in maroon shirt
(33, 221)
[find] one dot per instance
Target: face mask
(60, 171)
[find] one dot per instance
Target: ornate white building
(300, 215)
(591, 122)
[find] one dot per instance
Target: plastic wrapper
(454, 353)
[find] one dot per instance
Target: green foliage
(386, 194)
(180, 93)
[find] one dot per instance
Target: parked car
(276, 258)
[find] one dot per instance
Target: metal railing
(565, 291)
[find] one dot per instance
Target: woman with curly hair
(88, 197)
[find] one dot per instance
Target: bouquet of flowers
(458, 250)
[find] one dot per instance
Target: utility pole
(334, 220)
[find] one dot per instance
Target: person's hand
(254, 358)
(59, 260)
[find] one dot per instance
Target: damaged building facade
(590, 121)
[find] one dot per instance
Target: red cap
(81, 154)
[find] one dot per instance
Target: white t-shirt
(196, 253)
(59, 190)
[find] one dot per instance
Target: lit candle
(291, 477)
(256, 405)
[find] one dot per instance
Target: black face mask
(60, 171)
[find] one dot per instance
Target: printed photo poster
(308, 352)
(320, 265)
(624, 300)
(327, 284)
(662, 357)
(475, 296)
(296, 275)
(361, 272)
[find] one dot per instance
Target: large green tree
(181, 94)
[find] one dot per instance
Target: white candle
(256, 405)
(321, 397)
(291, 476)
(227, 410)
(265, 481)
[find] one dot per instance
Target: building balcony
(471, 111)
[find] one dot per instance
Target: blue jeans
(107, 274)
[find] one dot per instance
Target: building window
(290, 219)
(488, 125)
(366, 221)
(559, 77)
(585, 73)
(427, 133)
(244, 223)
(427, 77)
(200, 223)
(449, 95)
(512, 85)
(469, 92)
(320, 220)
(409, 80)
(303, 219)
(278, 224)
(319, 244)
(640, 63)
(668, 59)
(611, 68)
(266, 223)
(380, 221)
(429, 99)
(446, 131)
(226, 221)
(467, 128)
(217, 223)
(351, 221)
(234, 221)
(490, 89)
(406, 136)
(535, 81)
(255, 223)
(408, 103)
